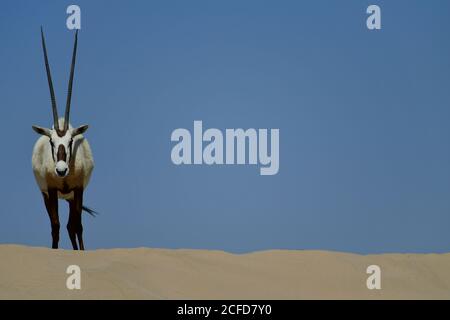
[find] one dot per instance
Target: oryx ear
(42, 131)
(79, 130)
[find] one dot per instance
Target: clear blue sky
(363, 117)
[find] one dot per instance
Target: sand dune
(142, 273)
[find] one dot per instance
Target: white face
(61, 146)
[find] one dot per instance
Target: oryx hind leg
(74, 226)
(51, 204)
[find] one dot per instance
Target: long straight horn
(50, 84)
(69, 90)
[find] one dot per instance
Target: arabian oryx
(62, 163)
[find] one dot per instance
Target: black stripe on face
(61, 155)
(53, 149)
(70, 149)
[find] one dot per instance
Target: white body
(80, 166)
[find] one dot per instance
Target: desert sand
(144, 273)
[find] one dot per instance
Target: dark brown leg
(74, 225)
(51, 204)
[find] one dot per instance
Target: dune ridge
(145, 273)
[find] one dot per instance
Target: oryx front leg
(74, 226)
(51, 204)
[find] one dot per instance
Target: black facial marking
(61, 155)
(52, 145)
(61, 133)
(70, 148)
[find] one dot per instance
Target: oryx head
(61, 134)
